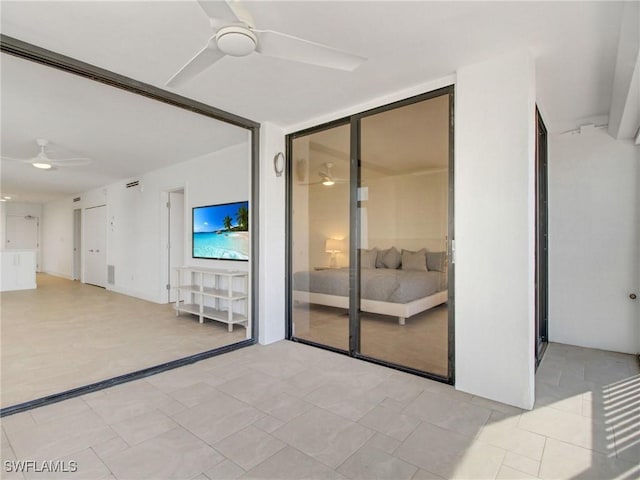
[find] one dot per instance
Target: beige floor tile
(342, 399)
(398, 388)
(496, 406)
(249, 447)
(508, 473)
(480, 461)
(291, 464)
(253, 387)
(225, 470)
(284, 406)
(443, 411)
(268, 423)
(563, 460)
(369, 463)
(568, 427)
(434, 449)
(502, 431)
(218, 418)
(87, 466)
(193, 394)
(128, 400)
(174, 454)
(59, 437)
(422, 474)
(325, 436)
(47, 413)
(383, 442)
(521, 463)
(143, 427)
(389, 422)
(109, 447)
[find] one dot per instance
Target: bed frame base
(400, 310)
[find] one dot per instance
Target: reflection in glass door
(319, 237)
(404, 222)
(370, 228)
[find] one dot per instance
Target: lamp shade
(333, 245)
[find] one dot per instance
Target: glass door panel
(319, 237)
(403, 243)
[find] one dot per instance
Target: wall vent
(135, 183)
(111, 274)
(77, 199)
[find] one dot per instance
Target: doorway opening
(175, 239)
(542, 241)
(77, 245)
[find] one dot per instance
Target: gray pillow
(414, 260)
(380, 258)
(436, 261)
(392, 258)
(368, 258)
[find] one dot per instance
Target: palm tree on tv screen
(226, 221)
(242, 216)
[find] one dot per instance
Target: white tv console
(215, 294)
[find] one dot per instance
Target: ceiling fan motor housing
(237, 41)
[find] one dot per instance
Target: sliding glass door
(403, 207)
(370, 229)
(319, 246)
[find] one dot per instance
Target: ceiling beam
(624, 115)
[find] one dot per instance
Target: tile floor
(290, 411)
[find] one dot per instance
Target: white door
(95, 242)
(176, 238)
(22, 233)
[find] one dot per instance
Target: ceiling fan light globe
(328, 182)
(43, 166)
(236, 41)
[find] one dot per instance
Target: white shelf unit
(215, 294)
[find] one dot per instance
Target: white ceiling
(406, 43)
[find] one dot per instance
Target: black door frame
(542, 241)
(354, 234)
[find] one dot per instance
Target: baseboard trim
(128, 377)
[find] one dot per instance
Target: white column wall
(494, 229)
(272, 297)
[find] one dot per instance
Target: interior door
(95, 242)
(77, 244)
(175, 206)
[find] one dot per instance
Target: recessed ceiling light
(2, 200)
(7, 197)
(43, 166)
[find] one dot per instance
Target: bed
(401, 292)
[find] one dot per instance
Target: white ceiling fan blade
(13, 159)
(71, 162)
(288, 47)
(199, 63)
(219, 11)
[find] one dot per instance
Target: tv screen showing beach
(221, 232)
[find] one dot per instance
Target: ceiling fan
(44, 162)
(326, 177)
(236, 35)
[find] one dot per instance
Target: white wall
(137, 219)
(272, 238)
(494, 229)
(594, 244)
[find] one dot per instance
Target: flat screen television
(221, 232)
